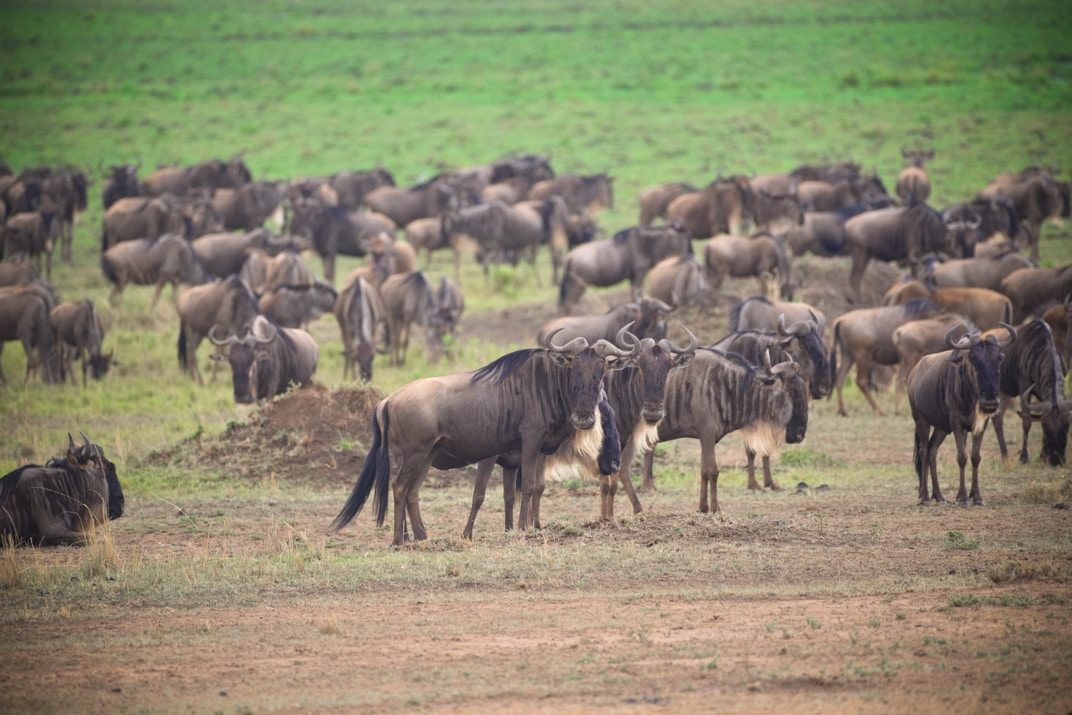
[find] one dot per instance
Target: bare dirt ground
(837, 596)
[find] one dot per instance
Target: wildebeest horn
(1036, 409)
(216, 341)
(626, 338)
(693, 343)
(85, 439)
(965, 341)
(70, 442)
(1007, 342)
(605, 348)
(799, 328)
(574, 346)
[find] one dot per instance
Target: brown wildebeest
(79, 333)
(408, 298)
(24, 313)
(1035, 196)
(722, 206)
(132, 218)
(207, 175)
(979, 272)
(63, 501)
(588, 194)
(913, 184)
(646, 316)
(917, 338)
(395, 255)
(268, 359)
(228, 305)
(223, 254)
(993, 218)
(403, 205)
(954, 392)
(263, 273)
(825, 195)
(17, 273)
(296, 305)
(1031, 288)
(758, 312)
(1058, 317)
(352, 186)
(335, 231)
(654, 200)
(362, 321)
(986, 308)
(776, 213)
(250, 205)
(679, 281)
(823, 232)
(427, 234)
(759, 255)
(534, 400)
(865, 337)
(30, 235)
(148, 261)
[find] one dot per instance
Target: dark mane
(11, 480)
(622, 236)
(497, 371)
(916, 307)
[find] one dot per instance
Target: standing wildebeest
(61, 502)
(1058, 316)
(758, 312)
(291, 305)
(65, 194)
(865, 337)
(424, 200)
(628, 255)
(900, 234)
(143, 217)
(353, 186)
(333, 231)
(1031, 288)
(776, 213)
(17, 273)
(223, 254)
(823, 232)
(1035, 197)
(24, 313)
(208, 175)
(822, 195)
(917, 338)
(267, 359)
(583, 194)
(122, 183)
(250, 205)
(1032, 368)
(533, 400)
(450, 304)
(79, 333)
(954, 392)
(986, 308)
(979, 272)
(647, 318)
(147, 261)
(678, 280)
(30, 234)
(396, 256)
(409, 298)
(263, 273)
(718, 394)
(913, 185)
(654, 200)
(991, 217)
(362, 321)
(427, 234)
(759, 255)
(720, 207)
(228, 305)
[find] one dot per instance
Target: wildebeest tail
(182, 348)
(375, 473)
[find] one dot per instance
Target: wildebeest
(990, 217)
(865, 336)
(646, 316)
(917, 338)
(913, 184)
(24, 313)
(79, 332)
(978, 272)
(14, 273)
(1058, 316)
(679, 281)
(268, 359)
(984, 307)
(717, 394)
(223, 254)
(143, 217)
(229, 306)
(1031, 288)
(802, 340)
(587, 194)
(654, 200)
(65, 194)
(720, 207)
(121, 183)
(362, 321)
(823, 232)
(759, 255)
(450, 303)
(955, 392)
(263, 273)
(533, 400)
(296, 305)
(408, 298)
(353, 186)
(249, 206)
(824, 195)
(1032, 367)
(758, 312)
(427, 234)
(628, 255)
(395, 255)
(208, 175)
(1036, 198)
(148, 261)
(403, 205)
(335, 231)
(900, 234)
(776, 213)
(30, 234)
(63, 501)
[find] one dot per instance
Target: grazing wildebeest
(534, 400)
(143, 217)
(720, 207)
(1031, 288)
(679, 281)
(24, 313)
(628, 255)
(409, 298)
(824, 195)
(229, 306)
(362, 321)
(986, 308)
(79, 332)
(207, 175)
(647, 316)
(403, 205)
(250, 205)
(900, 234)
(30, 234)
(63, 501)
(865, 337)
(955, 392)
(450, 302)
(268, 359)
(718, 394)
(758, 312)
(148, 261)
(296, 305)
(122, 183)
(1032, 367)
(333, 231)
(759, 255)
(654, 200)
(223, 254)
(353, 186)
(978, 272)
(588, 194)
(917, 338)
(1035, 196)
(913, 184)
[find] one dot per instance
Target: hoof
(978, 502)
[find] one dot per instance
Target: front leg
(623, 476)
(708, 478)
(961, 437)
(768, 479)
(753, 485)
(483, 474)
(977, 443)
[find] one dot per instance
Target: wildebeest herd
(975, 324)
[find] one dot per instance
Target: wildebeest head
(984, 356)
(243, 355)
(806, 332)
(90, 457)
(587, 364)
(1055, 420)
(787, 373)
(654, 361)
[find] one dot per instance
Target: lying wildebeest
(208, 175)
(759, 255)
(63, 501)
(268, 359)
(628, 255)
(121, 183)
(79, 332)
(229, 306)
(722, 206)
(986, 308)
(978, 272)
(362, 321)
(758, 312)
(1032, 367)
(913, 184)
(900, 234)
(718, 394)
(148, 261)
(991, 217)
(250, 205)
(143, 217)
(917, 338)
(955, 392)
(353, 186)
(409, 298)
(30, 235)
(335, 231)
(678, 281)
(1031, 288)
(588, 194)
(822, 195)
(223, 254)
(533, 400)
(403, 205)
(865, 337)
(654, 200)
(24, 313)
(647, 316)
(1036, 198)
(17, 273)
(296, 305)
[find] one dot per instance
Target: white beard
(581, 451)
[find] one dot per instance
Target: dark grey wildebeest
(353, 186)
(29, 235)
(268, 359)
(534, 400)
(229, 305)
(589, 194)
(153, 261)
(823, 232)
(758, 312)
(335, 231)
(405, 204)
(955, 392)
(759, 255)
(79, 333)
(207, 175)
(295, 306)
(978, 272)
(63, 501)
(143, 217)
(248, 206)
(362, 321)
(121, 182)
(408, 298)
(224, 254)
(24, 313)
(646, 316)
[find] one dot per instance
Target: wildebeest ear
(956, 358)
(560, 359)
(617, 362)
(682, 359)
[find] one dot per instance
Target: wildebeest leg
(863, 373)
(753, 485)
(842, 373)
(708, 478)
(1026, 419)
(933, 444)
(768, 480)
(529, 458)
(539, 484)
(977, 442)
(406, 491)
(160, 289)
(511, 482)
(3, 380)
(483, 473)
(627, 481)
(649, 465)
(856, 274)
(961, 437)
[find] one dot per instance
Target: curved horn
(799, 328)
(624, 337)
(70, 442)
(605, 348)
(693, 343)
(965, 341)
(1036, 409)
(216, 341)
(574, 346)
(1008, 341)
(85, 439)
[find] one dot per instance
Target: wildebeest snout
(583, 421)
